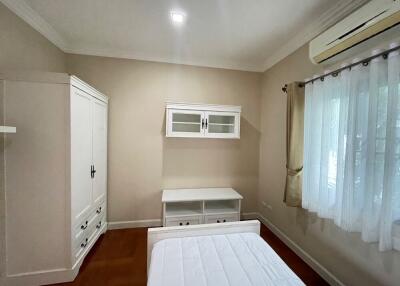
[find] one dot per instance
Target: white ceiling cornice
(223, 64)
(24, 11)
(326, 20)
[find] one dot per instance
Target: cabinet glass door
(222, 124)
(185, 123)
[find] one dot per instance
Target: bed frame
(160, 233)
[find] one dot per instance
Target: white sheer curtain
(352, 149)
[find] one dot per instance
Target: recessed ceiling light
(177, 17)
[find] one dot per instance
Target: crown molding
(331, 16)
(30, 16)
(326, 20)
(121, 54)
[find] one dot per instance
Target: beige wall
(344, 254)
(142, 161)
(22, 47)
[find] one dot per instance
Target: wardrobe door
(99, 150)
(81, 154)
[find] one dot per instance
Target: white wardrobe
(55, 167)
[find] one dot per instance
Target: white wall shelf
(198, 206)
(202, 121)
(8, 129)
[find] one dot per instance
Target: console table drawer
(221, 218)
(180, 221)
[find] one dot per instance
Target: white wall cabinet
(56, 183)
(202, 121)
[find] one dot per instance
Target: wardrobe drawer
(87, 237)
(180, 221)
(80, 246)
(79, 230)
(97, 213)
(99, 222)
(221, 218)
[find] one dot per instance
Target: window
(352, 149)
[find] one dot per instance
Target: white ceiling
(238, 34)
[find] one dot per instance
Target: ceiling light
(177, 17)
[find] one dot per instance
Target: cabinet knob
(98, 225)
(99, 210)
(84, 226)
(180, 223)
(83, 245)
(224, 220)
(187, 223)
(218, 221)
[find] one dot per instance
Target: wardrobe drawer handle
(98, 225)
(85, 225)
(83, 245)
(99, 210)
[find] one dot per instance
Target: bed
(229, 254)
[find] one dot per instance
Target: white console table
(198, 206)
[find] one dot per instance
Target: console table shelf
(197, 206)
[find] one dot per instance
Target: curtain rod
(334, 73)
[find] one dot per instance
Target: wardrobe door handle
(206, 123)
(92, 171)
(202, 124)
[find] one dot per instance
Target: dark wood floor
(119, 259)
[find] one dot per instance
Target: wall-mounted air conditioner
(373, 23)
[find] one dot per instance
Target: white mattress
(218, 260)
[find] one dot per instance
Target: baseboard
(314, 264)
(134, 223)
(246, 216)
(42, 277)
(52, 276)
